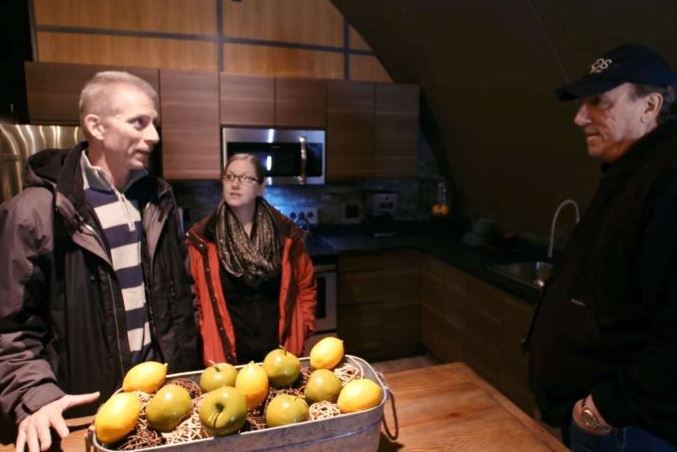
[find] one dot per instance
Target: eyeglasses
(242, 178)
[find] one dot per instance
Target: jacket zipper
(149, 292)
(117, 328)
(91, 231)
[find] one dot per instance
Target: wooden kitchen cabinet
(190, 125)
(396, 115)
(513, 378)
(273, 102)
(53, 89)
(379, 304)
(247, 100)
(372, 130)
(350, 130)
(465, 319)
(301, 103)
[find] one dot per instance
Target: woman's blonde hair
(258, 167)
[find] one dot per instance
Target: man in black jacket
(92, 277)
(603, 360)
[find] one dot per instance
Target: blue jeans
(627, 439)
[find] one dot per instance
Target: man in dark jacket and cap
(92, 277)
(603, 362)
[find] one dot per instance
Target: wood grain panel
(126, 51)
(298, 21)
(360, 263)
(443, 339)
(360, 287)
(247, 101)
(350, 120)
(301, 103)
(177, 16)
(448, 407)
(190, 125)
(53, 89)
(367, 68)
(360, 327)
(263, 60)
(356, 41)
(513, 378)
(396, 131)
(401, 325)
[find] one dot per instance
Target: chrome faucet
(561, 205)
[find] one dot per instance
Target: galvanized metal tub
(356, 432)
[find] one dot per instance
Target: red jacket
(298, 292)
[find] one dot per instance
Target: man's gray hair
(96, 94)
(669, 109)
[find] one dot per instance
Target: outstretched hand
(34, 430)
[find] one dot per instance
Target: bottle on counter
(441, 207)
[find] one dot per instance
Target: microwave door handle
(304, 160)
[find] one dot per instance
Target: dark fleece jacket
(607, 324)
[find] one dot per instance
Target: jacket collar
(641, 149)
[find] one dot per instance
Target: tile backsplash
(336, 203)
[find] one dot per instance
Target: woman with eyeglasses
(254, 281)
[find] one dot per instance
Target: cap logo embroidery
(600, 65)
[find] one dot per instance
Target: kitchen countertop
(449, 407)
(439, 240)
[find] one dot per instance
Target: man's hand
(34, 429)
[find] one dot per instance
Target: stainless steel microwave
(290, 157)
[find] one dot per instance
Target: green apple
(223, 410)
(323, 384)
(282, 367)
(286, 409)
(217, 375)
(168, 407)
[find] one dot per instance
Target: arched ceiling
(488, 70)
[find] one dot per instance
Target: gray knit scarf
(254, 259)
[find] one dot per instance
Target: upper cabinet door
(247, 101)
(396, 129)
(53, 89)
(190, 125)
(301, 103)
(350, 130)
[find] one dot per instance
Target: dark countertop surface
(438, 239)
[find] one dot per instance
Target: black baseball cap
(632, 63)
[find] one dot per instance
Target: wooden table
(449, 407)
(440, 407)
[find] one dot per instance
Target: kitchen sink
(532, 273)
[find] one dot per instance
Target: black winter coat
(62, 316)
(607, 324)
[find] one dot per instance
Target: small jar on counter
(441, 207)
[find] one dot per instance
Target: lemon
(117, 417)
(358, 395)
(327, 353)
(146, 377)
(322, 385)
(252, 381)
